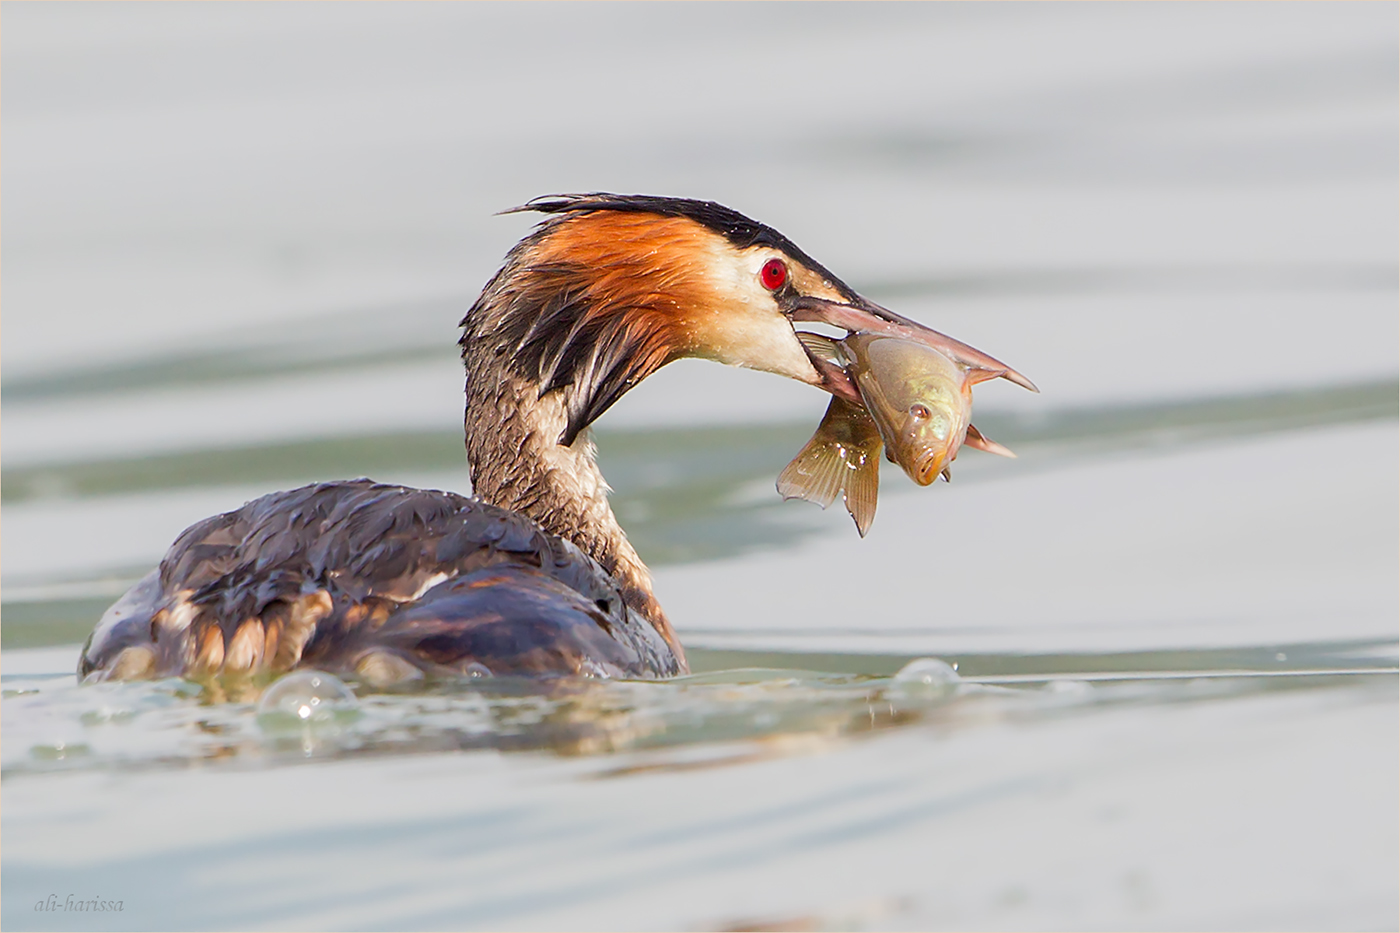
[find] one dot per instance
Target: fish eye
(773, 274)
(919, 411)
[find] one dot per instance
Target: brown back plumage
(363, 578)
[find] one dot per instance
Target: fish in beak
(612, 287)
(865, 317)
(893, 391)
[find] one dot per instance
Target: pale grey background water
(237, 239)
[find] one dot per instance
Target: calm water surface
(1143, 676)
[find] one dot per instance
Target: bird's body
(383, 582)
(532, 575)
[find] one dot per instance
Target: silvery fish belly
(920, 400)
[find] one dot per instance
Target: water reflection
(52, 724)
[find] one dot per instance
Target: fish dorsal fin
(842, 458)
(979, 441)
(822, 347)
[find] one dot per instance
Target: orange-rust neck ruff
(590, 305)
(582, 311)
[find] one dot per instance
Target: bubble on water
(107, 715)
(1071, 688)
(307, 701)
(477, 671)
(927, 671)
(59, 751)
(927, 677)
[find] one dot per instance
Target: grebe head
(612, 287)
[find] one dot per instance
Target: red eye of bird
(773, 274)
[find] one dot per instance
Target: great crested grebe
(533, 574)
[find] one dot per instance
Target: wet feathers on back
(333, 574)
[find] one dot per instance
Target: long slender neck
(517, 463)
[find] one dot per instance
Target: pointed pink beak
(869, 318)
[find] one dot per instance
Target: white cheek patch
(767, 343)
(744, 326)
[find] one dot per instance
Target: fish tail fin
(842, 458)
(862, 491)
(816, 473)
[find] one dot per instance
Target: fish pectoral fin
(842, 458)
(976, 374)
(979, 441)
